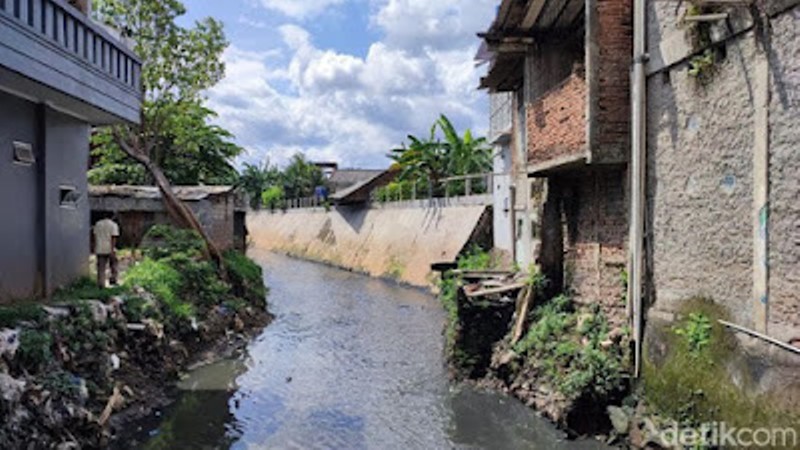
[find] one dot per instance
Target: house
(723, 172)
(559, 73)
(221, 211)
(60, 74)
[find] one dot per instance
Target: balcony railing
(55, 44)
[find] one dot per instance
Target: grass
(86, 288)
(11, 316)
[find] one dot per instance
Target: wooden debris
(493, 291)
(115, 401)
(523, 305)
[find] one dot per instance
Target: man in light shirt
(106, 232)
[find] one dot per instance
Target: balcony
(556, 126)
(51, 52)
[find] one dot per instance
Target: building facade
(60, 74)
(565, 65)
(723, 172)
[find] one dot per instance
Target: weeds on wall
(692, 381)
(702, 66)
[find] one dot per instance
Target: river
(350, 362)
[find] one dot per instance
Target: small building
(221, 210)
(559, 81)
(60, 74)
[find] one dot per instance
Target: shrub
(163, 281)
(34, 349)
(200, 284)
(475, 258)
(696, 332)
(10, 316)
(165, 241)
(246, 278)
(273, 198)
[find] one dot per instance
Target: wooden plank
(532, 14)
(570, 14)
(706, 17)
(523, 306)
(494, 291)
(551, 13)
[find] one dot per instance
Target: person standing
(106, 232)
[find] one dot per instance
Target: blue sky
(345, 80)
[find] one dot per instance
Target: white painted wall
(501, 201)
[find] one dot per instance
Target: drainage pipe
(761, 336)
(637, 176)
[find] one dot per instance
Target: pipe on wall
(638, 177)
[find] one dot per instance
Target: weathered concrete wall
(392, 242)
(700, 170)
(702, 137)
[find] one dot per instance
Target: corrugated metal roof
(185, 193)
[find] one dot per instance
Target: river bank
(349, 362)
(76, 370)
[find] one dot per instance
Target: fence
(459, 190)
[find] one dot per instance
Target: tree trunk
(181, 214)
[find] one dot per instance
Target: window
(68, 197)
(23, 154)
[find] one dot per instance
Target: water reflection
(349, 363)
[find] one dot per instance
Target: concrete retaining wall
(398, 243)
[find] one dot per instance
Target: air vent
(68, 197)
(23, 154)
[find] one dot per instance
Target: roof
(518, 25)
(360, 192)
(344, 178)
(185, 193)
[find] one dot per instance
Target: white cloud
(336, 106)
(300, 9)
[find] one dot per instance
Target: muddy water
(349, 363)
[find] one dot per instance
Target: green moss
(692, 382)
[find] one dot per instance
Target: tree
(192, 152)
(255, 180)
(178, 64)
(301, 177)
(432, 160)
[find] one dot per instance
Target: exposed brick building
(566, 63)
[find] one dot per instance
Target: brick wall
(613, 35)
(594, 216)
(556, 122)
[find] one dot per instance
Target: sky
(345, 80)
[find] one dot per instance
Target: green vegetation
(167, 240)
(474, 258)
(163, 281)
(570, 350)
(176, 135)
(86, 288)
(246, 278)
(271, 187)
(10, 316)
(692, 382)
(427, 161)
(34, 349)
